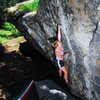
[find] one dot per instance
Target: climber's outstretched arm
(59, 34)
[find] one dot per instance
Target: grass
(31, 6)
(5, 36)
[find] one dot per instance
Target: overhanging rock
(80, 37)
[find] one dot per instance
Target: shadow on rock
(28, 63)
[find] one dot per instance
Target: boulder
(80, 29)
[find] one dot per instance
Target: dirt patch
(14, 44)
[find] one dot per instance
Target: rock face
(80, 28)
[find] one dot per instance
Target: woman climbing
(59, 57)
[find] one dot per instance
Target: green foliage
(4, 36)
(10, 27)
(8, 3)
(7, 35)
(3, 5)
(8, 32)
(31, 6)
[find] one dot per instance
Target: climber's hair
(55, 43)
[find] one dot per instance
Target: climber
(59, 57)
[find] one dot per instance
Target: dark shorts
(59, 63)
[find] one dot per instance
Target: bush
(10, 27)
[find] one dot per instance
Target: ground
(8, 52)
(19, 61)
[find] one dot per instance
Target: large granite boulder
(80, 28)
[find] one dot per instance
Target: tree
(5, 4)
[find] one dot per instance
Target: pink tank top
(61, 52)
